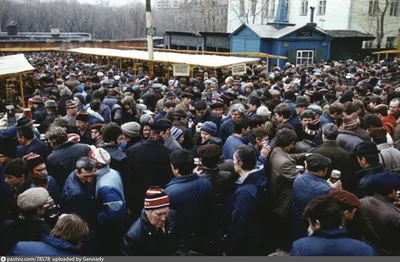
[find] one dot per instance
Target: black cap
(386, 181)
(367, 148)
(316, 162)
(200, 105)
(217, 105)
(161, 124)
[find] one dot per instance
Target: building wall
(362, 21)
(265, 11)
(245, 41)
(337, 15)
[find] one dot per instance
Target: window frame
(304, 8)
(394, 8)
(321, 8)
(310, 59)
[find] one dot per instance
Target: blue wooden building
(301, 44)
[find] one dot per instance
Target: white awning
(14, 64)
(213, 61)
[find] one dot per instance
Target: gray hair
(57, 135)
(396, 100)
(85, 163)
(237, 107)
(331, 131)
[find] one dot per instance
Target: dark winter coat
(348, 140)
(48, 246)
(227, 128)
(39, 115)
(36, 146)
(334, 242)
(305, 188)
(5, 197)
(365, 187)
(379, 224)
(119, 162)
(78, 198)
(143, 239)
(149, 165)
(342, 160)
(241, 222)
(21, 229)
(62, 161)
(192, 197)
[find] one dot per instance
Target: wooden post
(387, 54)
(267, 65)
(379, 56)
(191, 71)
(151, 69)
(108, 60)
(120, 64)
(21, 85)
(134, 67)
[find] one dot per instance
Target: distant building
(303, 44)
(201, 41)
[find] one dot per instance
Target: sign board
(181, 70)
(239, 69)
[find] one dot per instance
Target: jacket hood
(331, 233)
(371, 170)
(95, 114)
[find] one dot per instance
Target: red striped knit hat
(155, 198)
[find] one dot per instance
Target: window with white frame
(321, 7)
(304, 7)
(394, 8)
(241, 7)
(305, 57)
(369, 44)
(372, 8)
(265, 7)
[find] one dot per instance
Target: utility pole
(149, 29)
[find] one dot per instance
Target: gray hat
(131, 129)
(50, 104)
(156, 86)
(301, 101)
(316, 108)
(32, 198)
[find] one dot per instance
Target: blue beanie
(210, 128)
(176, 132)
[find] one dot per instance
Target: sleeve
(75, 205)
(106, 115)
(113, 210)
(295, 249)
(288, 171)
(129, 246)
(243, 207)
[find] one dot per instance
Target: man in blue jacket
(193, 198)
(111, 204)
(240, 225)
(329, 235)
(241, 129)
(306, 187)
(28, 143)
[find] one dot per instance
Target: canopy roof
(387, 52)
(14, 64)
(213, 61)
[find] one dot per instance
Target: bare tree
(377, 17)
(249, 11)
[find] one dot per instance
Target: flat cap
(161, 124)
(317, 162)
(386, 181)
(50, 104)
(366, 148)
(32, 199)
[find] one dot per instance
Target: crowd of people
(299, 160)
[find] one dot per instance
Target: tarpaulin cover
(14, 64)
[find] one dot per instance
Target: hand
(198, 127)
(197, 170)
(308, 154)
(265, 151)
(337, 185)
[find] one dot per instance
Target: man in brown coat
(282, 172)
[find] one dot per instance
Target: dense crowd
(300, 160)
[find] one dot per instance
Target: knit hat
(386, 181)
(33, 160)
(131, 129)
(263, 111)
(80, 97)
(82, 116)
(100, 156)
(209, 151)
(146, 118)
(209, 127)
(316, 108)
(155, 198)
(32, 199)
(37, 100)
(351, 122)
(312, 128)
(176, 132)
(73, 137)
(345, 197)
(71, 104)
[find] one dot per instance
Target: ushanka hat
(155, 198)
